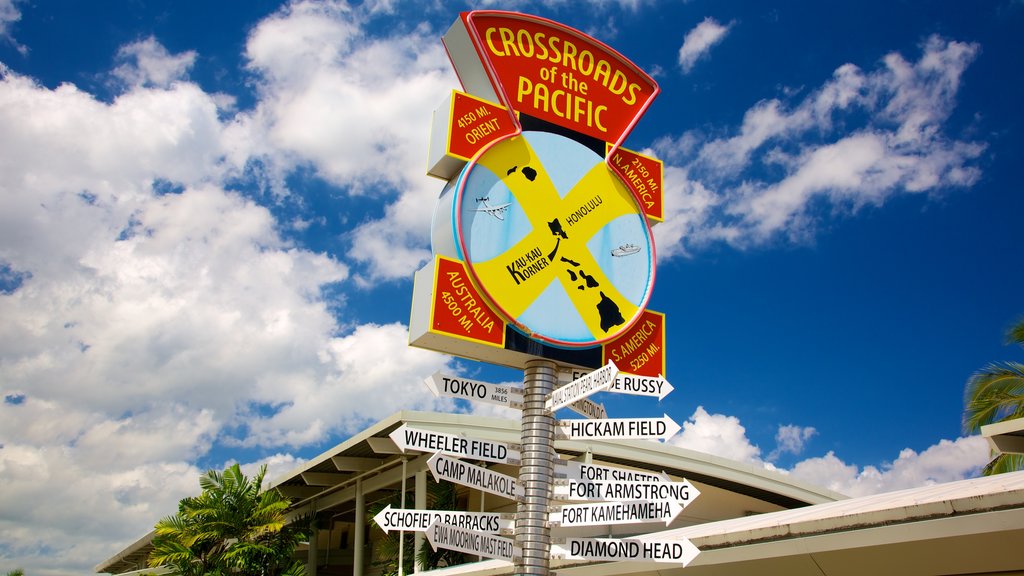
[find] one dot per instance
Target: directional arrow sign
(455, 470)
(629, 384)
(455, 387)
(607, 513)
(680, 551)
(419, 520)
(407, 438)
(619, 428)
(592, 383)
(469, 541)
(610, 491)
(589, 409)
(583, 472)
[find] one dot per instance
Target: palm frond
(993, 394)
(1015, 335)
(1004, 463)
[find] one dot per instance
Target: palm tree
(232, 527)
(994, 394)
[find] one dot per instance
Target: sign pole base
(536, 471)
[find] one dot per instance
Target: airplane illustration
(496, 211)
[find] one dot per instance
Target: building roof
(373, 445)
(968, 527)
(328, 481)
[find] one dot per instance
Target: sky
(211, 214)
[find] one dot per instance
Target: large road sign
(607, 513)
(619, 428)
(587, 385)
(419, 520)
(408, 438)
(470, 541)
(455, 470)
(680, 551)
(611, 491)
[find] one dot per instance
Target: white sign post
(629, 384)
(419, 520)
(407, 438)
(455, 470)
(589, 384)
(583, 472)
(469, 541)
(443, 385)
(680, 551)
(447, 386)
(608, 513)
(620, 428)
(611, 491)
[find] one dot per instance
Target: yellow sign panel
(554, 238)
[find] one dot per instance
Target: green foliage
(231, 528)
(16, 572)
(440, 496)
(995, 394)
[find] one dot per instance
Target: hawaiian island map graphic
(555, 239)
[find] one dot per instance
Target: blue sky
(210, 215)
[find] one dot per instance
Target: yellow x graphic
(594, 201)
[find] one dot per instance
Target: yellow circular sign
(554, 239)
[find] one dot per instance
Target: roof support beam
(324, 478)
(352, 464)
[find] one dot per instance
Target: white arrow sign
(592, 383)
(443, 385)
(607, 513)
(469, 541)
(584, 472)
(619, 428)
(407, 438)
(419, 520)
(588, 408)
(455, 387)
(455, 470)
(680, 551)
(629, 384)
(610, 491)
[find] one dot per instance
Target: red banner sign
(555, 73)
(641, 349)
(476, 123)
(644, 176)
(459, 310)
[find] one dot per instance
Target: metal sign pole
(536, 472)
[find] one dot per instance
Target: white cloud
(9, 14)
(158, 315)
(891, 142)
(357, 109)
(791, 439)
(699, 41)
(147, 63)
(688, 205)
(946, 461)
(717, 434)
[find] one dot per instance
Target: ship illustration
(496, 211)
(626, 250)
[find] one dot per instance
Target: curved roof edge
(739, 477)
